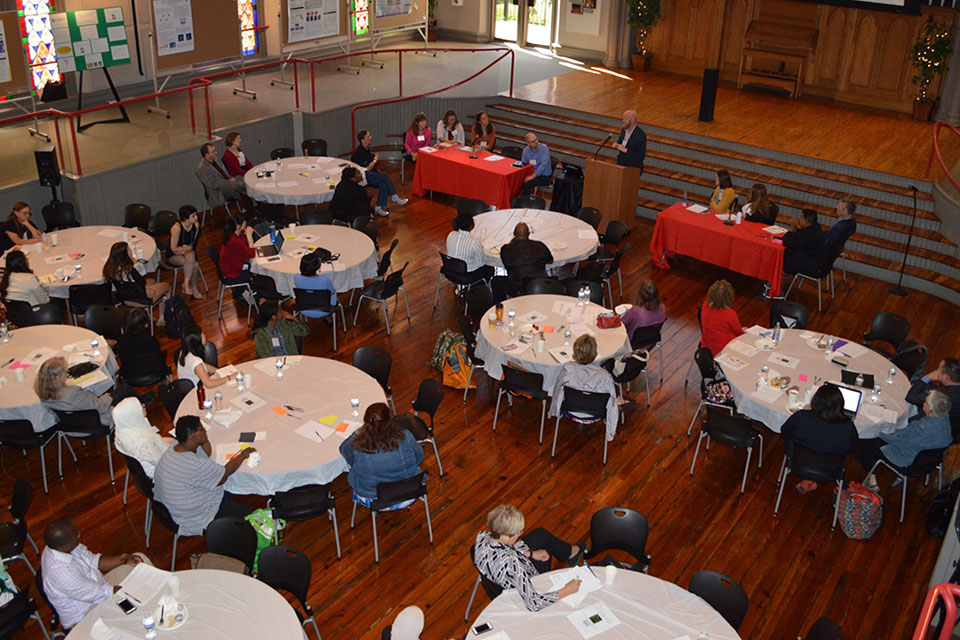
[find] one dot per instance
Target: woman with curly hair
(719, 323)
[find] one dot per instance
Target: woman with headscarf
(135, 436)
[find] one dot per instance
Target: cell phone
(126, 606)
(482, 628)
(840, 360)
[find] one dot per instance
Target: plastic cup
(609, 574)
(247, 380)
(19, 374)
(60, 274)
(54, 240)
(173, 583)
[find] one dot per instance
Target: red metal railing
(206, 81)
(946, 593)
(935, 152)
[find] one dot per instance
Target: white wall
(587, 31)
(472, 18)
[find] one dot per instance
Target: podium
(612, 189)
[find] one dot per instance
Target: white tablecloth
(300, 180)
(610, 342)
(648, 609)
(569, 239)
(220, 604)
(358, 256)
(318, 386)
(94, 244)
(18, 401)
(814, 364)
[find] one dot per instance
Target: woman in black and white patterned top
(506, 559)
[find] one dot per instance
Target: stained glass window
(250, 39)
(360, 17)
(37, 37)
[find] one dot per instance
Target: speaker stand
(55, 200)
(116, 96)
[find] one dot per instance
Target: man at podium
(631, 143)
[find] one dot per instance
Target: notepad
(493, 158)
(774, 230)
(696, 208)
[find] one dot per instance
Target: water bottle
(684, 198)
(859, 380)
(273, 233)
(776, 333)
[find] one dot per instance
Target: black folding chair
(319, 300)
(304, 503)
(234, 538)
(381, 291)
(429, 396)
(732, 431)
(491, 588)
(376, 363)
(84, 296)
(924, 463)
(887, 327)
(815, 466)
(515, 382)
(286, 569)
(723, 594)
(83, 425)
(585, 408)
(620, 529)
(470, 339)
(172, 394)
(455, 270)
(19, 434)
(393, 493)
(314, 147)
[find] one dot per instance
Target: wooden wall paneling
(831, 47)
(865, 47)
(737, 17)
(896, 43)
(707, 27)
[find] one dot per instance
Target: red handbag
(608, 320)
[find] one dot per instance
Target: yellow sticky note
(327, 420)
(245, 445)
(312, 247)
(291, 236)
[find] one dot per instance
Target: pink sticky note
(802, 378)
(19, 365)
(777, 241)
(73, 255)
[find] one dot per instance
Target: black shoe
(574, 560)
(148, 398)
(897, 485)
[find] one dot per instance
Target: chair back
(492, 588)
(19, 434)
(264, 287)
(469, 337)
(518, 381)
(591, 215)
(360, 222)
(429, 396)
(21, 499)
(282, 152)
(528, 202)
(172, 394)
(790, 315)
(141, 480)
(105, 320)
(911, 358)
(621, 529)
(137, 215)
(316, 216)
(828, 263)
(214, 256)
(19, 312)
(888, 327)
(16, 612)
(82, 296)
(234, 538)
(61, 215)
(705, 363)
(146, 369)
(614, 264)
(453, 268)
(38, 583)
(479, 301)
(385, 264)
(286, 569)
(824, 629)
(729, 430)
(163, 222)
(924, 462)
(210, 355)
(816, 465)
(162, 514)
(723, 594)
(372, 228)
(645, 336)
(471, 207)
(302, 503)
(415, 425)
(573, 286)
(550, 286)
(312, 300)
(615, 233)
(390, 493)
(375, 362)
(83, 423)
(46, 313)
(591, 403)
(393, 283)
(314, 147)
(774, 212)
(514, 153)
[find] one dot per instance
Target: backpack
(940, 510)
(861, 511)
(442, 345)
(456, 367)
(177, 315)
(267, 527)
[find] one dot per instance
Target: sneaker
(380, 211)
(400, 201)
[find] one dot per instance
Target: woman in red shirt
(235, 254)
(719, 323)
(234, 160)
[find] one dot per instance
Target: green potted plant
(643, 16)
(433, 33)
(930, 55)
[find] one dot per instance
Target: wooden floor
(795, 569)
(870, 138)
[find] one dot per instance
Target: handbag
(718, 392)
(860, 511)
(608, 320)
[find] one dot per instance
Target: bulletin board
(19, 82)
(416, 17)
(216, 35)
(306, 44)
(90, 39)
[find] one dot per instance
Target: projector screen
(911, 7)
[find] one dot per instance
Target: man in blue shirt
(538, 155)
(845, 226)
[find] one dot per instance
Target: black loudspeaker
(47, 168)
(708, 96)
(53, 91)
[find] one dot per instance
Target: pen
(8, 362)
(591, 570)
(318, 435)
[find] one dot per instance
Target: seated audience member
(723, 195)
(189, 359)
(463, 245)
(18, 229)
(758, 209)
(537, 154)
(134, 436)
(132, 288)
(8, 588)
(449, 128)
(136, 342)
(275, 331)
(310, 278)
(932, 431)
(522, 258)
(233, 158)
(417, 137)
(350, 199)
(54, 392)
(805, 249)
(384, 185)
(582, 374)
(408, 625)
(183, 248)
(19, 283)
(235, 254)
(946, 378)
(380, 451)
(219, 185)
(190, 484)
(823, 427)
(509, 557)
(631, 144)
(845, 226)
(719, 323)
(483, 133)
(647, 311)
(75, 579)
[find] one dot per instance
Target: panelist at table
(631, 143)
(723, 195)
(484, 134)
(449, 128)
(537, 154)
(418, 136)
(805, 246)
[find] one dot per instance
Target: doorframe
(522, 20)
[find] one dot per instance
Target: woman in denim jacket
(379, 452)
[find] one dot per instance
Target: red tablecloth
(744, 248)
(453, 171)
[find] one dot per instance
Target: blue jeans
(384, 186)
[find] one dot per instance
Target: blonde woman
(583, 375)
(54, 392)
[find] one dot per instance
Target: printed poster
(387, 8)
(174, 21)
(311, 19)
(4, 57)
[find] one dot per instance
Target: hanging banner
(311, 19)
(174, 20)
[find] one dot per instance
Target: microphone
(602, 145)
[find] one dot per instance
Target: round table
(34, 345)
(299, 180)
(89, 247)
(296, 448)
(646, 608)
(220, 604)
(768, 406)
(358, 256)
(558, 312)
(569, 239)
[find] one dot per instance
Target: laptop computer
(851, 399)
(850, 378)
(271, 249)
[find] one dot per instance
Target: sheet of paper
(561, 354)
(228, 371)
(428, 149)
(774, 230)
(39, 355)
(248, 402)
(877, 413)
(86, 17)
(743, 348)
(767, 394)
(100, 631)
(783, 360)
(67, 64)
(144, 582)
(593, 620)
(116, 33)
(854, 350)
(89, 32)
(110, 233)
(49, 278)
(493, 158)
(563, 308)
(268, 366)
(90, 379)
(757, 330)
(346, 428)
(725, 217)
(226, 451)
(588, 583)
(806, 335)
(729, 362)
(697, 208)
(314, 431)
(100, 45)
(532, 317)
(56, 259)
(578, 329)
(120, 52)
(516, 346)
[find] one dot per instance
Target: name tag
(275, 342)
(242, 159)
(483, 145)
(533, 162)
(419, 138)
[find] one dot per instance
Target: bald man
(631, 143)
(538, 155)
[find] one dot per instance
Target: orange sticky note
(280, 411)
(343, 426)
(548, 328)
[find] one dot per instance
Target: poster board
(19, 82)
(215, 34)
(395, 14)
(309, 40)
(90, 39)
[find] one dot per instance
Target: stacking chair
(144, 485)
(470, 340)
(137, 216)
(316, 216)
(790, 315)
(55, 628)
(286, 569)
(429, 396)
(514, 153)
(574, 285)
(60, 215)
(172, 394)
(733, 431)
(380, 291)
(604, 270)
(924, 463)
(390, 494)
(264, 288)
(649, 337)
(13, 537)
(19, 313)
(479, 301)
(81, 425)
(634, 365)
(723, 594)
(887, 327)
(585, 408)
(614, 234)
(23, 315)
(234, 539)
(371, 228)
(551, 286)
(708, 371)
(911, 358)
(19, 434)
(222, 286)
(515, 382)
(489, 586)
(528, 202)
(319, 300)
(15, 613)
(282, 152)
(554, 161)
(471, 207)
(20, 504)
(314, 147)
(823, 629)
(105, 320)
(376, 363)
(620, 529)
(824, 272)
(162, 514)
(84, 296)
(455, 270)
(304, 503)
(591, 216)
(816, 466)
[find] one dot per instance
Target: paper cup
(609, 574)
(54, 239)
(140, 254)
(126, 237)
(173, 583)
(248, 380)
(292, 227)
(18, 372)
(59, 274)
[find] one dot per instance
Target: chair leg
(836, 504)
(646, 381)
(496, 410)
(110, 461)
(34, 545)
(690, 428)
(603, 434)
(903, 499)
(376, 547)
(43, 470)
(696, 452)
(543, 415)
(660, 346)
(220, 300)
(126, 483)
(336, 531)
(357, 312)
(436, 452)
(436, 295)
(173, 556)
(316, 628)
(146, 523)
(746, 468)
(467, 388)
(819, 302)
(686, 377)
(476, 585)
(426, 508)
(790, 288)
(386, 316)
(36, 616)
(556, 430)
(784, 472)
(353, 515)
(760, 464)
(405, 303)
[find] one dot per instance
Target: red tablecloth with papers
(745, 248)
(453, 171)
